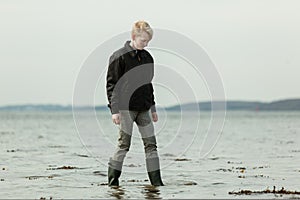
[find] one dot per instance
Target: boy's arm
(153, 108)
(113, 75)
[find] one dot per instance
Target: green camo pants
(146, 129)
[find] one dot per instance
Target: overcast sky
(254, 44)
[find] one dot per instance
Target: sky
(254, 45)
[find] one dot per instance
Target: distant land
(288, 104)
(282, 105)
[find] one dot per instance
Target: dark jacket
(128, 80)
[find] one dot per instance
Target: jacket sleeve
(153, 107)
(114, 73)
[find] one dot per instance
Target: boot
(155, 178)
(113, 177)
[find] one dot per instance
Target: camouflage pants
(146, 129)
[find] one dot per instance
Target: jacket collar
(133, 52)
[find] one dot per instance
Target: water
(256, 151)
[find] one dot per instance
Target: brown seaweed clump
(182, 159)
(63, 167)
(44, 198)
(190, 183)
(267, 191)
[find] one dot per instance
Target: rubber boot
(155, 178)
(113, 177)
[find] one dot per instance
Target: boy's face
(141, 41)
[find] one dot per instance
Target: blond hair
(140, 26)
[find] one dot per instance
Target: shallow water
(256, 151)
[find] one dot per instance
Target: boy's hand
(116, 118)
(154, 117)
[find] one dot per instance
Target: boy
(130, 96)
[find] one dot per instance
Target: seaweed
(44, 198)
(38, 177)
(82, 155)
(99, 173)
(190, 183)
(63, 167)
(182, 159)
(237, 169)
(266, 191)
(12, 150)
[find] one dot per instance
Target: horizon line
(105, 105)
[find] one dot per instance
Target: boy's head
(141, 34)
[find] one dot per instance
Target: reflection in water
(117, 192)
(151, 192)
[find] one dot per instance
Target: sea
(64, 155)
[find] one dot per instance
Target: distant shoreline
(281, 105)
